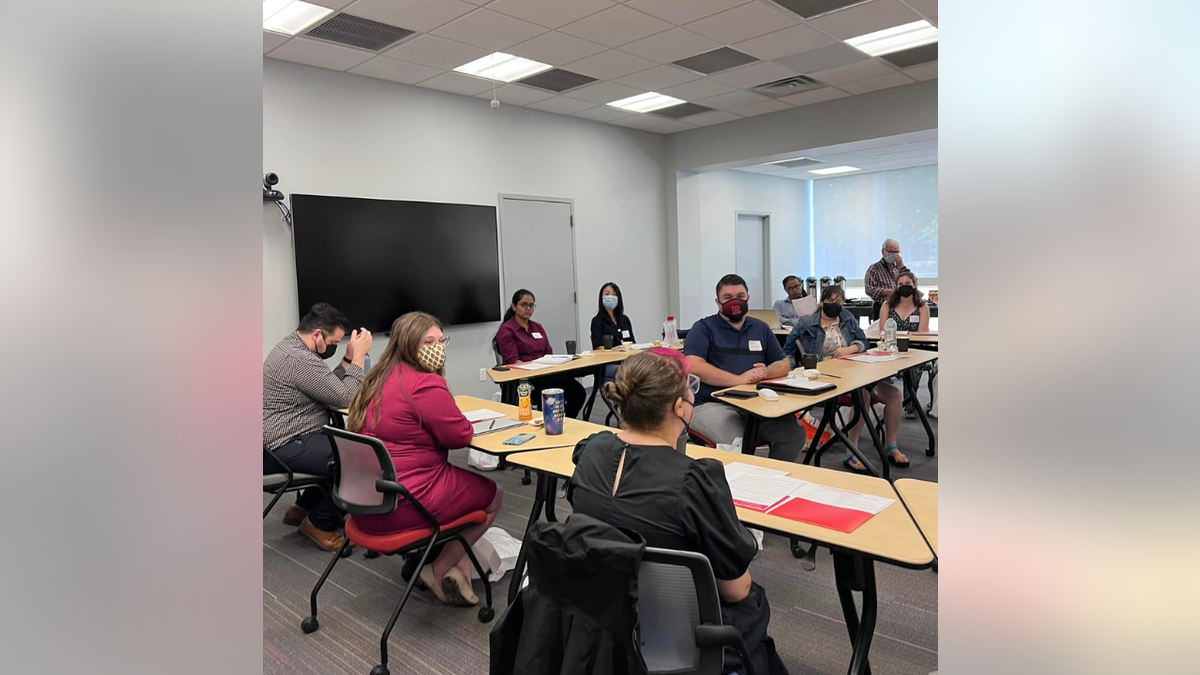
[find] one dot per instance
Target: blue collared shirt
(732, 350)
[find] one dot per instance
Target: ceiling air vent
(557, 80)
(791, 85)
(913, 57)
(722, 58)
(681, 110)
(355, 31)
(797, 163)
(807, 9)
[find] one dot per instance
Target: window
(852, 215)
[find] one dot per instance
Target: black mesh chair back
(359, 461)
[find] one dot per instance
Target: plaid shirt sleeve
(334, 387)
(880, 280)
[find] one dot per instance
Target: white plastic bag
(497, 551)
(482, 460)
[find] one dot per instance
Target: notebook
(492, 426)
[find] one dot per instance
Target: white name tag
(755, 346)
(625, 333)
(537, 335)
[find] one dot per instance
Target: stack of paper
(532, 366)
(483, 414)
(756, 488)
(876, 358)
(554, 359)
(642, 345)
(836, 509)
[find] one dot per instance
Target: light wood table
(921, 498)
(924, 340)
(493, 443)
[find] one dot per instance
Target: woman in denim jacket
(814, 334)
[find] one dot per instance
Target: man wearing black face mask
(298, 392)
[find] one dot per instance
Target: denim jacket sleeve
(791, 344)
(852, 332)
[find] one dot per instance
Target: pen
(491, 424)
(833, 376)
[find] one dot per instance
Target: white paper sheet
(483, 414)
(755, 490)
(554, 359)
(737, 468)
(877, 358)
(806, 384)
(642, 345)
(806, 305)
(845, 499)
(532, 366)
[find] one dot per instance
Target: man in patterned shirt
(298, 392)
(880, 279)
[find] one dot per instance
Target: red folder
(815, 513)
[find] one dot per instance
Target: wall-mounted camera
(269, 192)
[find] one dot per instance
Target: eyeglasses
(693, 383)
(527, 305)
(444, 340)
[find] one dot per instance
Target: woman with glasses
(405, 402)
(521, 340)
(637, 479)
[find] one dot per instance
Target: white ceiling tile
(556, 48)
(933, 20)
(617, 26)
(395, 70)
(925, 71)
(926, 8)
(760, 108)
(321, 54)
(430, 50)
(754, 74)
(563, 105)
(418, 15)
(733, 100)
(457, 83)
(550, 14)
(698, 89)
(638, 121)
(680, 12)
(810, 97)
(671, 45)
(853, 72)
(710, 118)
(603, 113)
(799, 38)
(610, 65)
(489, 30)
(605, 92)
(876, 83)
(865, 18)
(835, 55)
(742, 23)
(331, 4)
(659, 78)
(515, 94)
(670, 127)
(478, 2)
(273, 40)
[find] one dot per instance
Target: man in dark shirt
(731, 348)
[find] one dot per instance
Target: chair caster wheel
(486, 614)
(371, 554)
(929, 452)
(309, 624)
(379, 670)
(347, 552)
(526, 480)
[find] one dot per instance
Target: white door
(538, 251)
(750, 254)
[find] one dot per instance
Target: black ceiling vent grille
(681, 110)
(797, 163)
(355, 31)
(808, 9)
(788, 86)
(912, 57)
(557, 80)
(715, 61)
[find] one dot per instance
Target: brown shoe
(329, 541)
(294, 515)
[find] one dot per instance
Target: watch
(347, 360)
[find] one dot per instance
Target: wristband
(347, 360)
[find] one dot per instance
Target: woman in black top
(610, 319)
(638, 480)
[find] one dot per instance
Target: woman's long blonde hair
(408, 333)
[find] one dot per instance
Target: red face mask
(735, 309)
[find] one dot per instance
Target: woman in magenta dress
(405, 402)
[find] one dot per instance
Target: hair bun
(616, 392)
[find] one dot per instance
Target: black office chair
(286, 481)
(496, 351)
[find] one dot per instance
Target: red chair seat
(386, 543)
(845, 401)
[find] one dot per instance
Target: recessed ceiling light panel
(502, 67)
(644, 103)
(896, 38)
(835, 169)
(291, 16)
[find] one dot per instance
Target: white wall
(334, 133)
(708, 206)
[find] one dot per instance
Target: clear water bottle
(670, 334)
(889, 334)
(525, 401)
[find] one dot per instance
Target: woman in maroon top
(521, 340)
(404, 402)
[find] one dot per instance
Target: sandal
(849, 460)
(892, 459)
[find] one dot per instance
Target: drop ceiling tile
(786, 42)
(332, 4)
(395, 70)
(926, 8)
(710, 118)
(556, 48)
(659, 78)
(550, 14)
(515, 94)
(865, 18)
(273, 40)
(563, 105)
(760, 108)
(823, 58)
(610, 65)
(605, 92)
(853, 72)
(933, 20)
(922, 72)
(680, 12)
(430, 50)
(810, 97)
(670, 127)
(638, 122)
(603, 113)
(733, 100)
(489, 30)
(617, 26)
(418, 15)
(321, 54)
(748, 77)
(671, 45)
(876, 83)
(457, 83)
(742, 23)
(698, 89)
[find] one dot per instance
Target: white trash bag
(482, 460)
(497, 551)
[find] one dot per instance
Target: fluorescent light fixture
(835, 169)
(291, 16)
(644, 103)
(896, 38)
(783, 161)
(502, 67)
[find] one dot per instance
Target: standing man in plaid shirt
(880, 279)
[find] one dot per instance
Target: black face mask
(330, 350)
(832, 309)
(906, 291)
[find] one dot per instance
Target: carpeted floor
(355, 604)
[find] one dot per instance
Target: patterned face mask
(432, 357)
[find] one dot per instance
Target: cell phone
(737, 393)
(500, 368)
(519, 439)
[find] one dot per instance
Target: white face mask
(432, 357)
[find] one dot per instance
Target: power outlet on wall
(483, 374)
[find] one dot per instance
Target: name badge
(755, 346)
(538, 336)
(625, 333)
